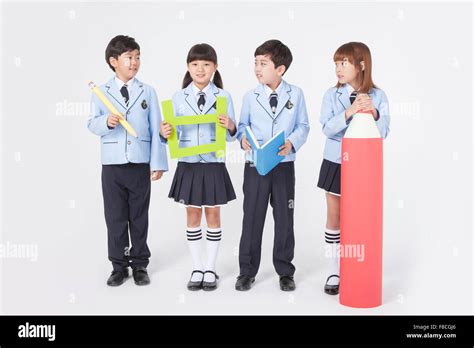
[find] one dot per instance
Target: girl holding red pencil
(353, 92)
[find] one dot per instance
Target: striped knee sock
(333, 239)
(213, 238)
(194, 235)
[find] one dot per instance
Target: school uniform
(126, 165)
(201, 180)
(335, 102)
(278, 186)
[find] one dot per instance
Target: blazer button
(200, 135)
(129, 142)
(128, 112)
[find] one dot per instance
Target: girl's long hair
(356, 52)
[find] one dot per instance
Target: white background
(51, 192)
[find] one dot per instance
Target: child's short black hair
(278, 52)
(119, 45)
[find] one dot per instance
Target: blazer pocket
(146, 140)
(184, 140)
(335, 139)
(109, 142)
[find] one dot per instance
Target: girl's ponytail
(217, 80)
(187, 79)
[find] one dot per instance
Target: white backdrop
(51, 192)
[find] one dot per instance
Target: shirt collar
(269, 91)
(349, 88)
(120, 83)
(197, 90)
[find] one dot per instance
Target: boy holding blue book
(274, 105)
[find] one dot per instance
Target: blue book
(265, 157)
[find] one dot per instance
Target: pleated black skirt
(330, 177)
(201, 184)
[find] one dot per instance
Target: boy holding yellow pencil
(125, 114)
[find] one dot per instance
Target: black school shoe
(209, 286)
(194, 286)
(117, 278)
(287, 283)
(244, 283)
(140, 275)
(331, 289)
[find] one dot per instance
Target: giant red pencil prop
(361, 214)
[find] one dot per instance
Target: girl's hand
(165, 130)
(156, 175)
(226, 122)
(362, 102)
(285, 149)
(367, 105)
(245, 144)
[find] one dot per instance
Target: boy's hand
(165, 130)
(156, 175)
(285, 149)
(113, 120)
(226, 122)
(245, 144)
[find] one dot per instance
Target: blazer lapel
(114, 93)
(137, 91)
(211, 98)
(283, 98)
(343, 97)
(190, 98)
(262, 99)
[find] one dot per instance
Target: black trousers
(126, 191)
(278, 186)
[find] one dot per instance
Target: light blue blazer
(290, 116)
(185, 104)
(335, 102)
(143, 114)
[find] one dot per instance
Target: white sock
(194, 235)
(213, 238)
(333, 246)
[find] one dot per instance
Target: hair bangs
(345, 51)
(202, 52)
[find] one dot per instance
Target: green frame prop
(218, 147)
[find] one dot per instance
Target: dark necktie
(124, 92)
(353, 96)
(273, 101)
(201, 101)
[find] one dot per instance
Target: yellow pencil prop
(112, 109)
